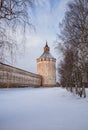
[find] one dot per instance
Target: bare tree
(13, 14)
(66, 69)
(74, 32)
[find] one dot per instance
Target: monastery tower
(46, 67)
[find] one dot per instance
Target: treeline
(73, 69)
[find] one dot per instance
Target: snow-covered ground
(42, 109)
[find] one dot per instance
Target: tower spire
(46, 44)
(46, 48)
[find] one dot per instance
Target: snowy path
(42, 109)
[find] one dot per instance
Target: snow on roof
(46, 54)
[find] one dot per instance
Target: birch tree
(74, 32)
(13, 14)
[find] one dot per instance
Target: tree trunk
(83, 90)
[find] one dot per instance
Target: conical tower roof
(46, 53)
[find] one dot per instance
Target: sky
(45, 16)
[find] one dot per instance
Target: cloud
(45, 15)
(41, 3)
(48, 14)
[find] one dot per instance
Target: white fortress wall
(11, 76)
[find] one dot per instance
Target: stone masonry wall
(14, 77)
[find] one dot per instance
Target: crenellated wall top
(46, 59)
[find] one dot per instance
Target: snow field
(42, 109)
